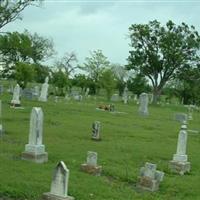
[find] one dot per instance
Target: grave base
(37, 158)
(49, 196)
(179, 167)
(91, 169)
(96, 139)
(15, 105)
(147, 184)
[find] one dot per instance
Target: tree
(94, 66)
(67, 63)
(138, 84)
(108, 82)
(159, 52)
(24, 73)
(10, 10)
(23, 47)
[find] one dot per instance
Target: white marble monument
(143, 107)
(35, 150)
(91, 166)
(59, 184)
(180, 163)
(16, 95)
(149, 178)
(44, 90)
(125, 95)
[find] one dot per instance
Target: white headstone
(181, 117)
(59, 184)
(143, 107)
(92, 158)
(16, 94)
(87, 92)
(96, 130)
(180, 155)
(36, 132)
(125, 95)
(44, 90)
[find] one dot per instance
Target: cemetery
(76, 124)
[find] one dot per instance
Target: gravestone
(150, 98)
(190, 112)
(59, 184)
(36, 91)
(115, 97)
(78, 97)
(35, 150)
(28, 93)
(143, 107)
(91, 166)
(16, 94)
(87, 92)
(1, 126)
(125, 95)
(181, 117)
(96, 131)
(44, 90)
(1, 89)
(56, 99)
(149, 178)
(180, 163)
(112, 108)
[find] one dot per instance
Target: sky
(84, 26)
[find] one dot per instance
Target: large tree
(94, 66)
(10, 10)
(159, 52)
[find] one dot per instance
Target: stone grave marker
(16, 95)
(44, 90)
(181, 117)
(180, 163)
(59, 184)
(115, 97)
(149, 178)
(35, 150)
(143, 107)
(91, 166)
(125, 95)
(96, 131)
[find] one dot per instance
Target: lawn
(128, 141)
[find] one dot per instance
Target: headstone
(59, 184)
(91, 166)
(125, 95)
(44, 90)
(181, 117)
(150, 98)
(87, 92)
(149, 178)
(115, 97)
(28, 93)
(190, 112)
(56, 99)
(35, 150)
(78, 97)
(112, 108)
(96, 131)
(36, 91)
(180, 163)
(143, 107)
(16, 94)
(1, 126)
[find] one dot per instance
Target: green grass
(128, 141)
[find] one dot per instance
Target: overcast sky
(83, 26)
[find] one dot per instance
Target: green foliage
(94, 66)
(10, 10)
(41, 72)
(158, 52)
(108, 82)
(138, 84)
(24, 73)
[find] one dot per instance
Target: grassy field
(128, 141)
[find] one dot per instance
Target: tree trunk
(156, 95)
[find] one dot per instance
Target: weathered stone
(59, 184)
(96, 130)
(16, 94)
(125, 95)
(35, 150)
(149, 178)
(91, 166)
(115, 97)
(180, 163)
(44, 90)
(143, 101)
(181, 117)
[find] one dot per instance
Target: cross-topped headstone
(150, 178)
(96, 130)
(180, 163)
(35, 150)
(59, 184)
